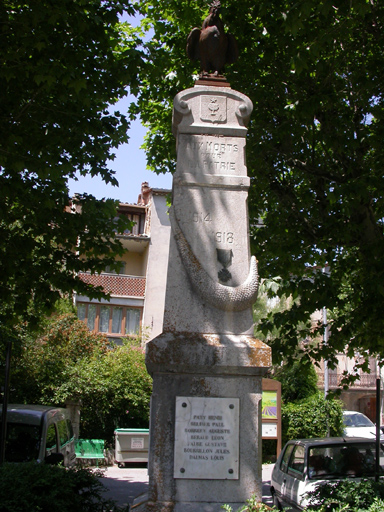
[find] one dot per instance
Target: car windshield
(351, 460)
(23, 442)
(357, 420)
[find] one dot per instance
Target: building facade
(361, 395)
(137, 291)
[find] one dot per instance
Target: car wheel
(276, 502)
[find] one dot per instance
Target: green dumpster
(131, 445)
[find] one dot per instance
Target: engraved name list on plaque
(207, 438)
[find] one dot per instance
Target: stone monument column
(207, 368)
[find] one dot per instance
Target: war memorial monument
(207, 368)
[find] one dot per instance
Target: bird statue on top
(211, 45)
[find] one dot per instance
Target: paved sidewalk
(266, 476)
(125, 484)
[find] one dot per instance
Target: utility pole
(325, 342)
(378, 421)
(3, 432)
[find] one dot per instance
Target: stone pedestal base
(208, 366)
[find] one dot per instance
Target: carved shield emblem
(213, 109)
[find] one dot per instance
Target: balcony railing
(366, 380)
(120, 285)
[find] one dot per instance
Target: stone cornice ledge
(212, 181)
(182, 352)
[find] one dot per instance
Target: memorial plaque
(207, 438)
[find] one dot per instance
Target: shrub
(114, 389)
(251, 505)
(298, 380)
(348, 495)
(269, 450)
(312, 417)
(42, 362)
(43, 488)
(67, 361)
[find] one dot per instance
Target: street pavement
(123, 485)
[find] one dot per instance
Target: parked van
(38, 432)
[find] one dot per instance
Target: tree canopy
(314, 72)
(62, 65)
(66, 361)
(298, 381)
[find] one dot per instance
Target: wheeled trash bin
(131, 445)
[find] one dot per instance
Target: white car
(357, 424)
(304, 463)
(38, 432)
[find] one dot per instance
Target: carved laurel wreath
(227, 298)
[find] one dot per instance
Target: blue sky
(130, 168)
(129, 164)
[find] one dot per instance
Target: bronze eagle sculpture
(211, 45)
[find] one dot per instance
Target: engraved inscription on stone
(213, 109)
(207, 438)
(208, 154)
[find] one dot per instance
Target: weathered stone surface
(163, 487)
(209, 204)
(207, 110)
(206, 353)
(195, 353)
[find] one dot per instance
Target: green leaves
(314, 72)
(67, 361)
(298, 381)
(114, 390)
(35, 487)
(62, 65)
(312, 418)
(348, 495)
